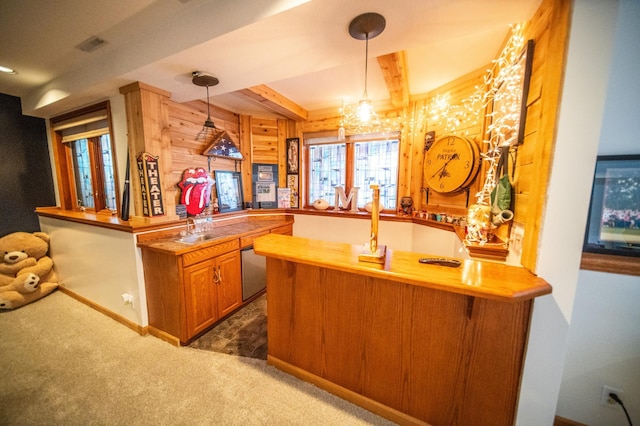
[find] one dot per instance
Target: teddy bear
(26, 272)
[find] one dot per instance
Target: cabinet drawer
(209, 252)
(284, 230)
(248, 240)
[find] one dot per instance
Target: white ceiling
(299, 48)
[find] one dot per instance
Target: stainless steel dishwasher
(254, 273)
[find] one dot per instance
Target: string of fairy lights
(500, 93)
(503, 95)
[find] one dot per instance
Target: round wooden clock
(451, 164)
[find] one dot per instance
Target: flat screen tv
(613, 224)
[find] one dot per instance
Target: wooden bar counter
(415, 343)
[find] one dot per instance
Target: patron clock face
(451, 164)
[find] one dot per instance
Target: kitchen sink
(194, 238)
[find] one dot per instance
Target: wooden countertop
(221, 233)
(473, 278)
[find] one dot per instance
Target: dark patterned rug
(243, 333)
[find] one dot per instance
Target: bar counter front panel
(416, 343)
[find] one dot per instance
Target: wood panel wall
(185, 121)
(147, 125)
(263, 140)
(548, 28)
(455, 92)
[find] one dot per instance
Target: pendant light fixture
(205, 80)
(219, 141)
(363, 118)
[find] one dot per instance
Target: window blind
(319, 138)
(86, 126)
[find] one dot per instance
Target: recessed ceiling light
(8, 70)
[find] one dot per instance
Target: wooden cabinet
(228, 283)
(188, 293)
(200, 296)
(212, 289)
(189, 288)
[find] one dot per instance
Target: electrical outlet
(127, 299)
(606, 400)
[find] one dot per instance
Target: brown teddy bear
(26, 272)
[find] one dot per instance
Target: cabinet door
(229, 282)
(200, 296)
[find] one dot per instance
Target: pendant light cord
(366, 65)
(208, 112)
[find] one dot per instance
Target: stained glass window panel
(107, 169)
(376, 163)
(82, 171)
(327, 170)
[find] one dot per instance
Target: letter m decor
(151, 190)
(341, 198)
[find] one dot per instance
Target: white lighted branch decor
(503, 95)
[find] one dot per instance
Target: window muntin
(354, 163)
(376, 162)
(326, 164)
(82, 173)
(110, 195)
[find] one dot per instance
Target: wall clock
(451, 164)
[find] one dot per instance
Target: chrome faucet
(193, 225)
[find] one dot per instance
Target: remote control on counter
(440, 261)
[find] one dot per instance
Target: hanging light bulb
(365, 111)
(363, 118)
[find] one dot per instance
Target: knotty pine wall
(549, 28)
(263, 140)
(532, 159)
(410, 179)
(185, 121)
(260, 140)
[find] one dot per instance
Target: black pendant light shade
(220, 143)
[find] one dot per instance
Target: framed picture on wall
(613, 224)
(293, 157)
(292, 184)
(229, 190)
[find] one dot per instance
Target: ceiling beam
(394, 70)
(272, 100)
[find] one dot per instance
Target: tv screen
(613, 225)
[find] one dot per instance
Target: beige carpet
(64, 363)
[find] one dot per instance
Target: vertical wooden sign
(150, 188)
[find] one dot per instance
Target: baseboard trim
(561, 421)
(163, 336)
(346, 394)
(143, 331)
